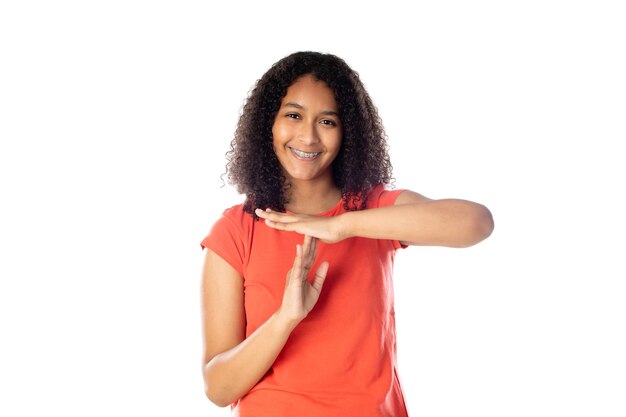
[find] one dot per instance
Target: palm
(324, 228)
(300, 295)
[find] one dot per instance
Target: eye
(328, 122)
(292, 115)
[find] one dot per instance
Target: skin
(308, 122)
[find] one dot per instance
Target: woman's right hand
(300, 296)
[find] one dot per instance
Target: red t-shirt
(341, 359)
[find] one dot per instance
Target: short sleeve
(380, 196)
(227, 240)
(388, 197)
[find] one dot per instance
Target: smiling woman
(362, 161)
(310, 156)
(307, 139)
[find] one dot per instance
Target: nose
(308, 133)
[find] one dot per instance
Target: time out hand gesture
(327, 229)
(300, 296)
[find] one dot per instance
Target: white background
(115, 117)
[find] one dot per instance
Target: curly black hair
(362, 162)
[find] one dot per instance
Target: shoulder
(235, 217)
(382, 195)
(233, 223)
(230, 236)
(236, 213)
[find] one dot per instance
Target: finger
(276, 216)
(310, 249)
(313, 249)
(297, 262)
(307, 244)
(262, 214)
(277, 225)
(320, 276)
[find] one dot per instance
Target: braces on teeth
(305, 154)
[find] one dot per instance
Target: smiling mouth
(304, 155)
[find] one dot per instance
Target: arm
(413, 220)
(417, 220)
(232, 363)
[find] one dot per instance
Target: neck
(312, 197)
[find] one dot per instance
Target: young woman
(310, 156)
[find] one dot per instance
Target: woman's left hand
(326, 229)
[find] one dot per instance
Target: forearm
(452, 223)
(230, 375)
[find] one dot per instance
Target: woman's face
(307, 130)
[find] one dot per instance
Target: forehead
(309, 90)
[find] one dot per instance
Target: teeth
(305, 154)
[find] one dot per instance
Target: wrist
(283, 321)
(345, 225)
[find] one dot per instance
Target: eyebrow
(301, 107)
